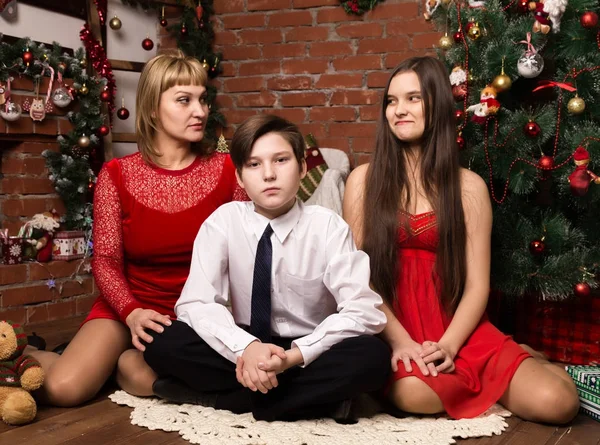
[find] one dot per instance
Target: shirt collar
(282, 225)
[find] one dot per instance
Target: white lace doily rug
(207, 426)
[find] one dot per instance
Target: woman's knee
(561, 402)
(412, 395)
(555, 403)
(67, 389)
(133, 373)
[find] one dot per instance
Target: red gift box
(567, 331)
(13, 249)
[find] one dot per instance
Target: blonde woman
(148, 209)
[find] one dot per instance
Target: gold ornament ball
(205, 65)
(474, 32)
(83, 63)
(445, 42)
(83, 90)
(115, 23)
(83, 141)
(576, 105)
(502, 82)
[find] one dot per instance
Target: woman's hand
(141, 319)
(433, 353)
(407, 352)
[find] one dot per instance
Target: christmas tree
(526, 79)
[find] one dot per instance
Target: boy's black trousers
(354, 366)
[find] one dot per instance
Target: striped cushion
(315, 166)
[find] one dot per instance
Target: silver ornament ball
(10, 112)
(530, 65)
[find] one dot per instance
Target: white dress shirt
(319, 280)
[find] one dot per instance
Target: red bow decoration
(550, 83)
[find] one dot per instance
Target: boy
(299, 294)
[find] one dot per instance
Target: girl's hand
(433, 353)
(407, 352)
(141, 319)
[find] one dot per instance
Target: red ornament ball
(105, 96)
(459, 115)
(457, 36)
(537, 247)
(582, 290)
(460, 141)
(184, 31)
(122, 113)
(523, 6)
(103, 130)
(589, 19)
(469, 25)
(147, 44)
(546, 162)
(27, 57)
(163, 23)
(532, 129)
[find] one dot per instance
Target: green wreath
(359, 7)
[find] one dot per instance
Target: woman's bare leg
(134, 375)
(413, 395)
(86, 364)
(541, 392)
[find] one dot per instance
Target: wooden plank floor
(103, 422)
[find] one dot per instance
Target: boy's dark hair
(256, 126)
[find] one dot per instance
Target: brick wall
(310, 62)
(25, 190)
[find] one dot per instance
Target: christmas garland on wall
(359, 7)
(70, 167)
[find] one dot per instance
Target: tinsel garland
(97, 55)
(359, 7)
(102, 7)
(69, 168)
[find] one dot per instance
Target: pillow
(315, 168)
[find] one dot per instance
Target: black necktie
(260, 316)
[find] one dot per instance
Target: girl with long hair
(426, 224)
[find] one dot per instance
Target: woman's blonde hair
(159, 74)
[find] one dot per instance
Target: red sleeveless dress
(145, 221)
(488, 359)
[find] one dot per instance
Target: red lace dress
(488, 359)
(145, 222)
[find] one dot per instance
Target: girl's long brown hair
(386, 189)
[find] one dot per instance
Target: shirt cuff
(240, 342)
(310, 351)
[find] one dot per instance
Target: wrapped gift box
(587, 380)
(13, 249)
(68, 245)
